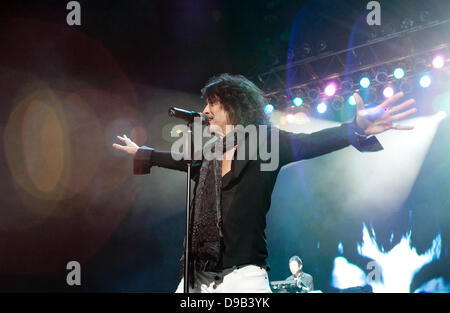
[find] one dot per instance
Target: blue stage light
(399, 73)
(297, 101)
(425, 81)
(322, 107)
(268, 108)
(352, 100)
(364, 82)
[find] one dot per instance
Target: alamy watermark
(73, 278)
(374, 275)
(374, 16)
(74, 16)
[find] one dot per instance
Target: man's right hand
(130, 147)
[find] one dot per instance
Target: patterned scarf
(206, 211)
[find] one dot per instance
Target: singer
(232, 196)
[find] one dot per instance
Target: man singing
(232, 195)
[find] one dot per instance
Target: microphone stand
(187, 247)
(190, 117)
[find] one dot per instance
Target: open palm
(382, 117)
(130, 147)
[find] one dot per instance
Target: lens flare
(290, 118)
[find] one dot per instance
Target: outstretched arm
(296, 147)
(384, 116)
(146, 157)
(359, 133)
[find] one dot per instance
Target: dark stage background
(67, 91)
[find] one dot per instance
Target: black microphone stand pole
(190, 116)
(187, 247)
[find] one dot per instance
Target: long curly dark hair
(241, 98)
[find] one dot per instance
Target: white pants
(248, 278)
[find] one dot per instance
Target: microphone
(189, 116)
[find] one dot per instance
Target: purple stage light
(330, 89)
(388, 92)
(438, 61)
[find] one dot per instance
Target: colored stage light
(438, 61)
(399, 73)
(322, 107)
(330, 89)
(351, 100)
(364, 82)
(298, 101)
(388, 92)
(425, 81)
(268, 108)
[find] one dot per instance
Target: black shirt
(247, 191)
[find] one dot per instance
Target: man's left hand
(383, 117)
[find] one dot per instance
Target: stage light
(406, 86)
(398, 73)
(330, 89)
(351, 100)
(420, 66)
(298, 101)
(320, 46)
(388, 91)
(438, 61)
(364, 82)
(381, 77)
(425, 81)
(407, 23)
(268, 108)
(424, 17)
(321, 107)
(290, 118)
(313, 94)
(347, 85)
(304, 50)
(337, 103)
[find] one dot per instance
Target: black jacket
(246, 190)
